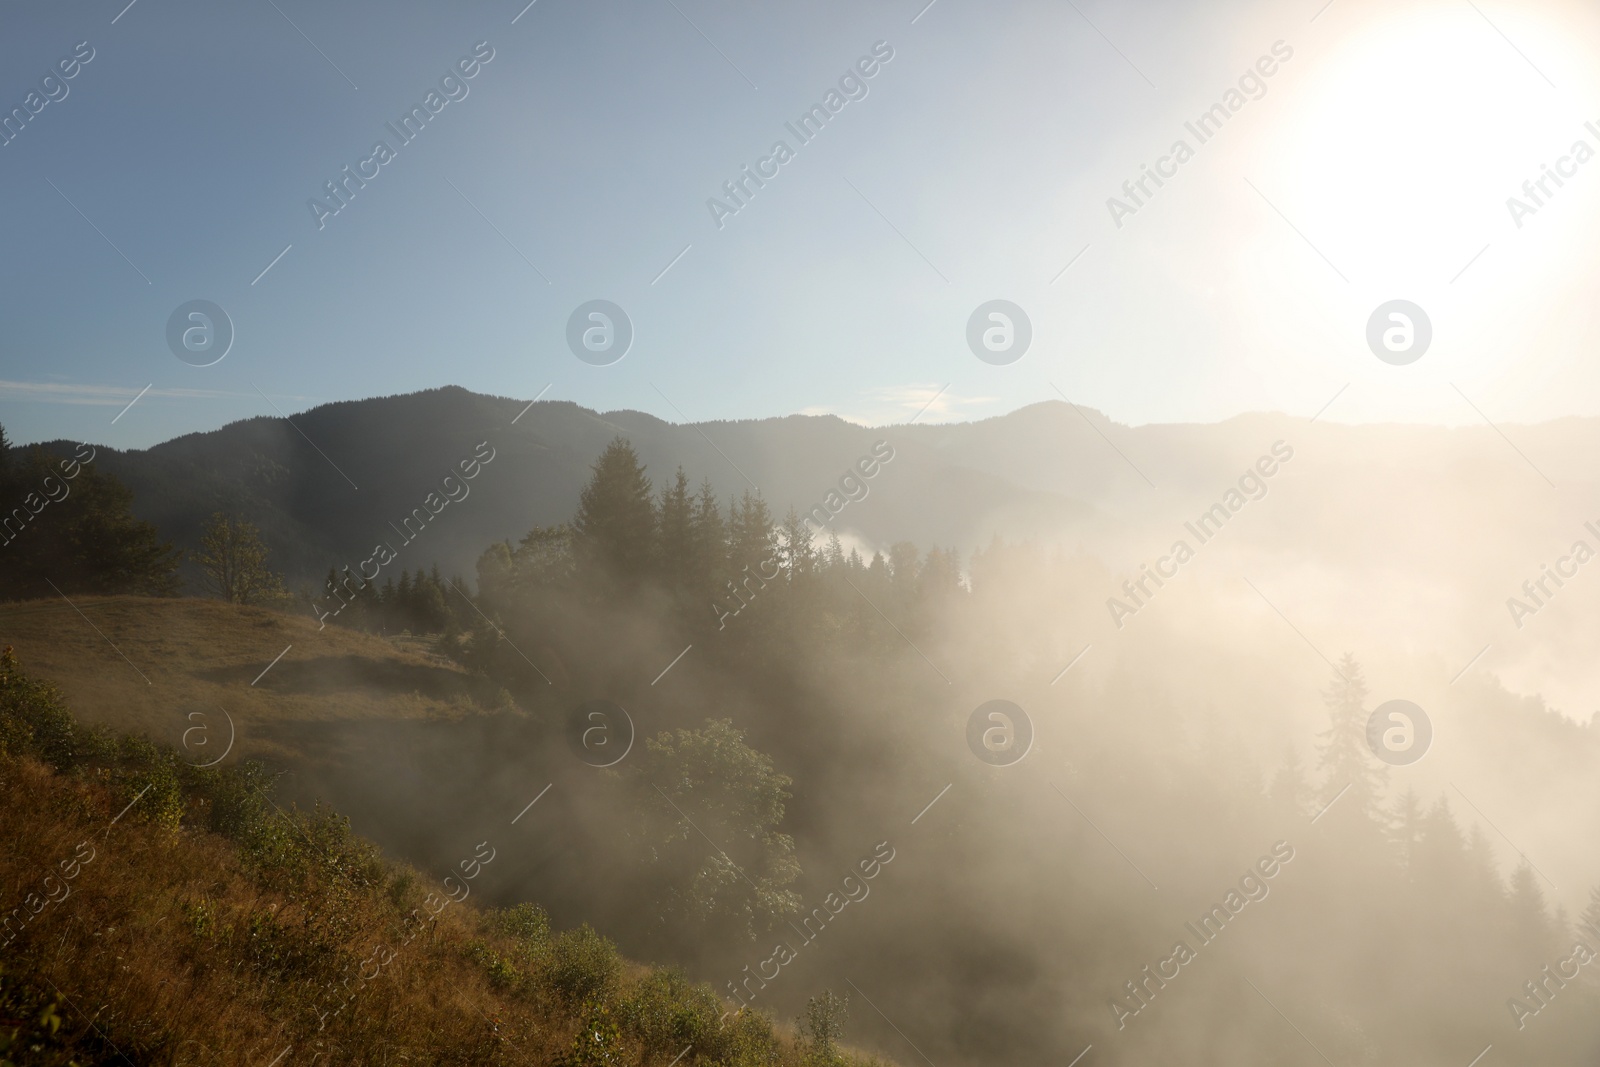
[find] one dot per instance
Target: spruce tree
(614, 528)
(710, 536)
(750, 532)
(675, 541)
(1589, 919)
(1346, 761)
(796, 554)
(833, 555)
(1408, 820)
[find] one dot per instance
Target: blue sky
(1376, 166)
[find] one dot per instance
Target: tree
(710, 808)
(1346, 761)
(750, 533)
(69, 527)
(1589, 918)
(614, 529)
(797, 554)
(233, 562)
(710, 536)
(823, 1025)
(675, 539)
(1529, 922)
(1408, 823)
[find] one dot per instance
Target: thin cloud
(105, 395)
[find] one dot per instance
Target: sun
(1420, 122)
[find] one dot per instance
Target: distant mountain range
(325, 489)
(1431, 528)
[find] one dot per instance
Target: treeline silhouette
(67, 528)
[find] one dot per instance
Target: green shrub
(666, 1012)
(598, 1041)
(822, 1026)
(525, 923)
(583, 966)
(40, 723)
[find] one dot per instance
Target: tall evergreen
(1408, 825)
(1346, 761)
(750, 532)
(616, 520)
(675, 533)
(796, 553)
(710, 537)
(1589, 919)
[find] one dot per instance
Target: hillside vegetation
(144, 664)
(156, 912)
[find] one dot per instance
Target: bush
(667, 1011)
(583, 966)
(37, 721)
(598, 1042)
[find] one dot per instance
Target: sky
(978, 162)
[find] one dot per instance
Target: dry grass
(202, 655)
(162, 914)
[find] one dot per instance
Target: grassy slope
(202, 655)
(169, 915)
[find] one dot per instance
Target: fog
(1168, 762)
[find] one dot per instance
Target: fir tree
(1408, 820)
(796, 553)
(1589, 919)
(710, 539)
(750, 534)
(675, 537)
(1346, 761)
(615, 524)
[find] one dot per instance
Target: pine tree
(903, 566)
(1408, 820)
(796, 553)
(616, 520)
(710, 536)
(675, 543)
(1346, 761)
(403, 603)
(1441, 855)
(939, 578)
(833, 556)
(751, 537)
(1589, 919)
(1529, 922)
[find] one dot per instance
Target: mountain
(327, 488)
(1432, 529)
